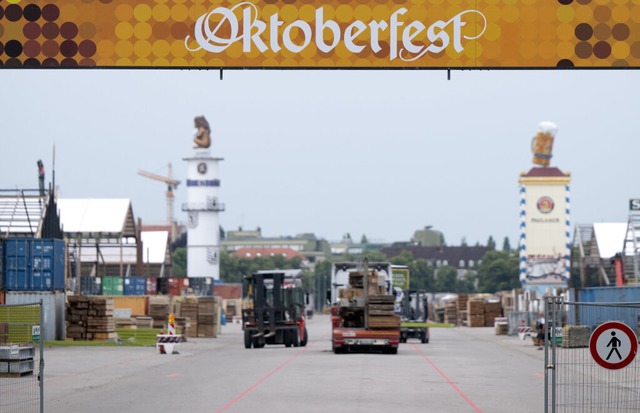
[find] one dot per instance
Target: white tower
(202, 207)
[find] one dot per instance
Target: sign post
(613, 345)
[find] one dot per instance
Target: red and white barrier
(167, 343)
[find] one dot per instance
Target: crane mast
(171, 185)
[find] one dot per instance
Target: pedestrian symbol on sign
(613, 345)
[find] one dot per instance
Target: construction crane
(171, 185)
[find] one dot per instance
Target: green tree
(179, 261)
(446, 279)
(321, 283)
(463, 242)
(506, 245)
(421, 276)
(364, 239)
(467, 284)
(499, 271)
(233, 268)
(491, 244)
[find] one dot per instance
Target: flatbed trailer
(346, 339)
(363, 316)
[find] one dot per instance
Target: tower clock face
(202, 168)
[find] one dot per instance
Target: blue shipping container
(592, 317)
(135, 285)
(34, 264)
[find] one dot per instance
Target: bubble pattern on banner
(41, 36)
(601, 33)
(152, 33)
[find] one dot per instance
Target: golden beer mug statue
(542, 143)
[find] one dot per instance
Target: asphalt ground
(461, 369)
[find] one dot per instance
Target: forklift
(273, 310)
(414, 316)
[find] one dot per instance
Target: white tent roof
(93, 215)
(154, 246)
(610, 237)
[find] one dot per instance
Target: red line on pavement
(262, 380)
(444, 376)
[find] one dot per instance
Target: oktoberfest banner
(320, 34)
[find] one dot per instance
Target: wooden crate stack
(382, 312)
(90, 318)
(159, 309)
(207, 326)
(491, 312)
(461, 308)
(188, 310)
(475, 312)
(451, 312)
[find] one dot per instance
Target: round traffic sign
(613, 345)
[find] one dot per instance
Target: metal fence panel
(574, 381)
(21, 361)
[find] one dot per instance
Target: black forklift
(274, 313)
(414, 316)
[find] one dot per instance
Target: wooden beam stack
(451, 312)
(207, 323)
(189, 310)
(475, 312)
(492, 310)
(382, 312)
(90, 318)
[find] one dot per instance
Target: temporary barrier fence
(590, 357)
(21, 358)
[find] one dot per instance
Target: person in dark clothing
(41, 176)
(540, 330)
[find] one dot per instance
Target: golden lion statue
(203, 133)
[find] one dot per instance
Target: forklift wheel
(257, 343)
(425, 339)
(286, 337)
(304, 341)
(247, 339)
(295, 339)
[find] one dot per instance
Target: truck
(414, 316)
(274, 309)
(363, 308)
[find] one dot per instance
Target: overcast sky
(380, 153)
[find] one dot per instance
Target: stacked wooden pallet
(382, 312)
(475, 312)
(575, 336)
(90, 318)
(501, 326)
(207, 325)
(492, 310)
(356, 280)
(159, 310)
(451, 312)
(461, 308)
(188, 310)
(144, 322)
